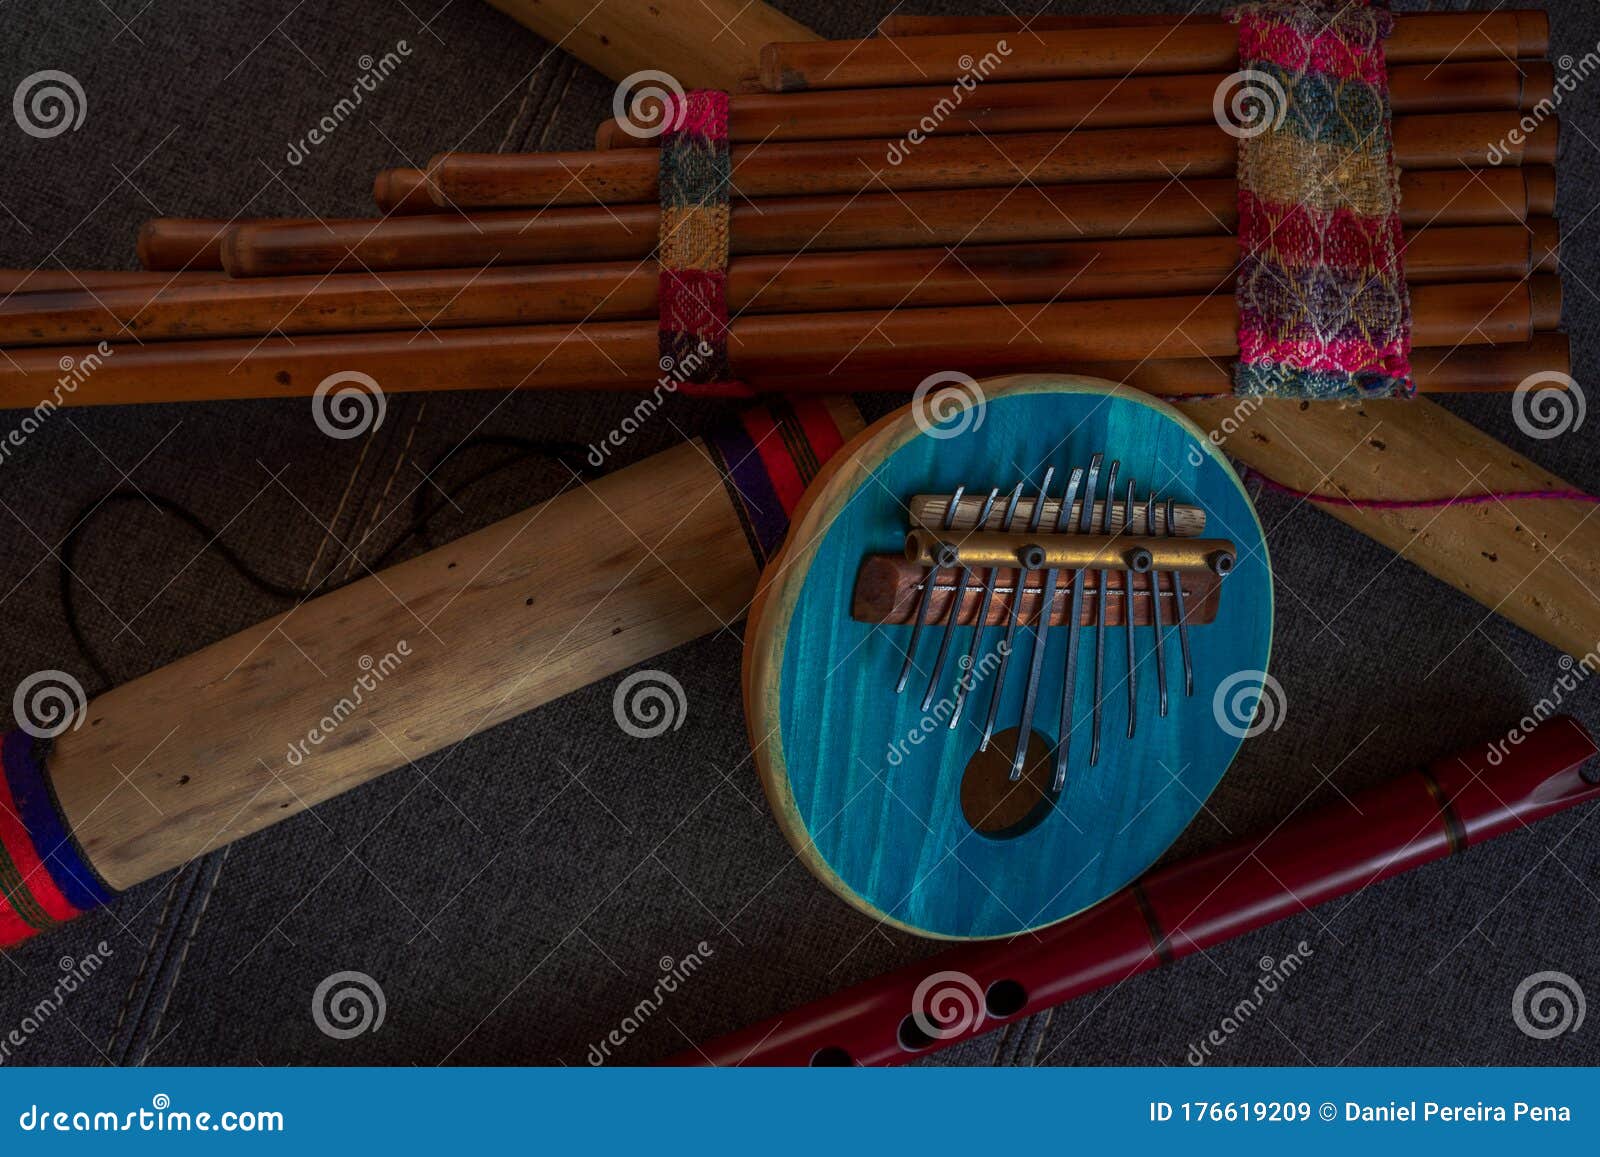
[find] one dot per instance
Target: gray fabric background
(515, 904)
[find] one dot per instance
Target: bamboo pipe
(899, 24)
(624, 354)
(818, 168)
(403, 192)
(709, 44)
(76, 280)
(495, 624)
(1209, 46)
(188, 244)
(1119, 102)
(1025, 213)
(806, 283)
(1449, 370)
(1533, 25)
(1437, 370)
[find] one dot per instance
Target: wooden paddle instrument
(981, 703)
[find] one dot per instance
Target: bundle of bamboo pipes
(1091, 172)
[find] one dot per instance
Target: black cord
(429, 502)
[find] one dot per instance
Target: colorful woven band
(771, 455)
(1323, 307)
(43, 877)
(694, 180)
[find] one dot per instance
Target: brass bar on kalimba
(1071, 551)
(955, 607)
(1069, 678)
(964, 686)
(1182, 615)
(927, 601)
(1011, 625)
(1041, 633)
(1154, 579)
(1100, 624)
(1127, 605)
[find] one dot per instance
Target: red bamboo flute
(1041, 106)
(819, 168)
(1129, 50)
(1023, 213)
(624, 355)
(1335, 851)
(804, 283)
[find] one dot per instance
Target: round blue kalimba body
(868, 786)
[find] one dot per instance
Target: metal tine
(1182, 613)
(1127, 608)
(962, 687)
(955, 608)
(1100, 621)
(1016, 615)
(1047, 599)
(1155, 607)
(1069, 680)
(927, 599)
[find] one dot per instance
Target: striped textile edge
(771, 454)
(44, 878)
(1323, 307)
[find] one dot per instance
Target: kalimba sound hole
(998, 808)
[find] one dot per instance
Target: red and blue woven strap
(770, 455)
(1323, 306)
(44, 879)
(694, 180)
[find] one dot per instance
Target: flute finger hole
(832, 1056)
(911, 1036)
(1005, 998)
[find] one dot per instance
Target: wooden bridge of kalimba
(1100, 562)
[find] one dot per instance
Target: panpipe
(250, 731)
(1339, 848)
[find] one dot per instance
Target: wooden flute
(248, 731)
